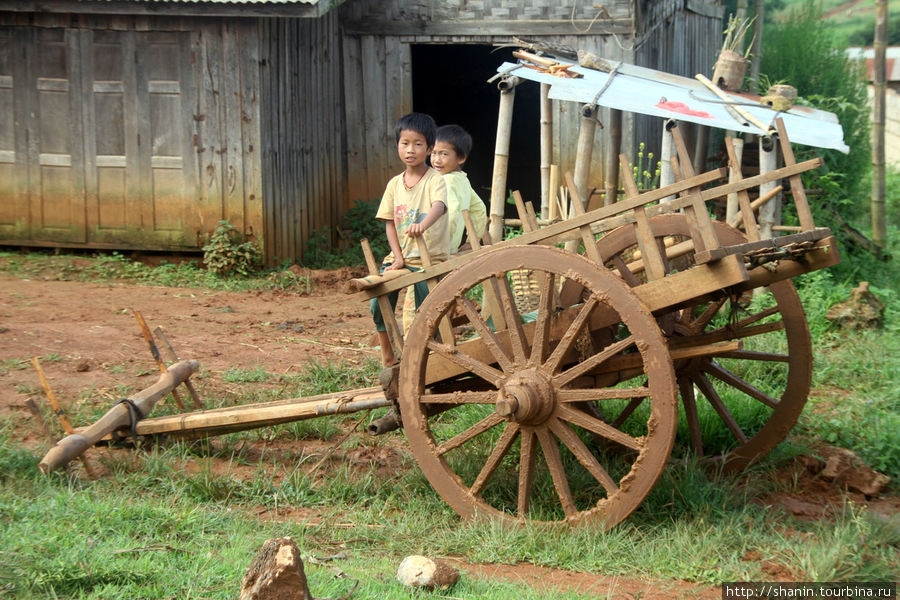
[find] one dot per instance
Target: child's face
(444, 158)
(412, 147)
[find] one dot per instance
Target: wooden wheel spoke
(703, 319)
(750, 319)
(493, 461)
(584, 456)
(546, 306)
(571, 334)
(626, 412)
(709, 391)
(686, 387)
(460, 397)
(477, 429)
(627, 275)
(513, 319)
(452, 353)
(488, 337)
(585, 421)
(527, 455)
(591, 394)
(557, 471)
(595, 360)
(726, 376)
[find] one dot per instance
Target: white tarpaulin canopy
(645, 91)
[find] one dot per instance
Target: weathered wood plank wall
(303, 147)
(130, 132)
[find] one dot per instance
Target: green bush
(358, 223)
(226, 253)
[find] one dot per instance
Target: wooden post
(734, 174)
(546, 149)
(60, 413)
(555, 212)
(769, 213)
(879, 213)
(612, 156)
(444, 326)
(501, 156)
(395, 334)
(155, 352)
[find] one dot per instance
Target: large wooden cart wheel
(759, 391)
(516, 445)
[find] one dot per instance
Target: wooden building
(140, 124)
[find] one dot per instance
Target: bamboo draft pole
(546, 149)
(507, 88)
(118, 417)
(745, 117)
(63, 419)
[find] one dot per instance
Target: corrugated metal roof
(278, 2)
(649, 92)
(892, 61)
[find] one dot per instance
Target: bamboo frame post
(879, 114)
(546, 149)
(612, 157)
(770, 213)
(395, 334)
(735, 145)
(161, 335)
(743, 200)
(507, 87)
(60, 413)
(667, 152)
(155, 352)
(555, 212)
(578, 186)
(444, 326)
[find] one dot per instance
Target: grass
(184, 520)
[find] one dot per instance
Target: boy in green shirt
(414, 204)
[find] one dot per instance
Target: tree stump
(276, 573)
(863, 310)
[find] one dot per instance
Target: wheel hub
(527, 398)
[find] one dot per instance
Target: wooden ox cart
(564, 393)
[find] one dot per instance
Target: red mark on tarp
(681, 107)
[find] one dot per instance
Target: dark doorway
(450, 84)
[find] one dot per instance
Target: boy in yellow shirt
(414, 204)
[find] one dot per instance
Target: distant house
(140, 124)
(892, 97)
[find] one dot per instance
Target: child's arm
(434, 213)
(390, 229)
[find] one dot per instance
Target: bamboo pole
(667, 151)
(583, 153)
(118, 417)
(554, 191)
(612, 157)
(501, 156)
(770, 213)
(879, 212)
(546, 148)
(734, 174)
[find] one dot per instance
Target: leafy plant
(226, 254)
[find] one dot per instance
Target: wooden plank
(498, 27)
(746, 211)
(797, 190)
(192, 225)
(357, 182)
(696, 211)
(378, 133)
(230, 96)
(777, 242)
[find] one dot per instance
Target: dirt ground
(89, 344)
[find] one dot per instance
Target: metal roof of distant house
(287, 8)
(649, 92)
(892, 61)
